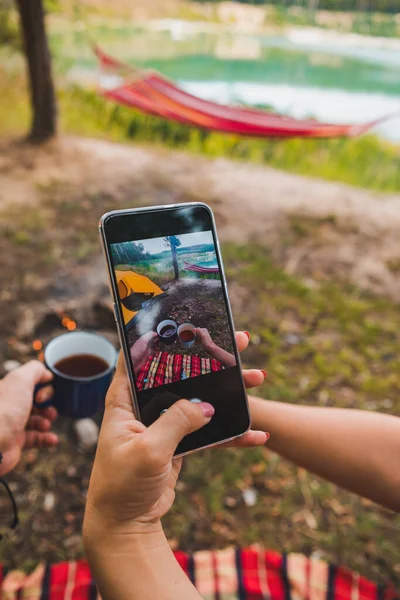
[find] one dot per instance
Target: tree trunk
(175, 261)
(43, 101)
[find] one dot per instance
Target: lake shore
(232, 18)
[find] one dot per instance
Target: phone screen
(176, 318)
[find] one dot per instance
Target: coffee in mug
(187, 335)
(166, 331)
(83, 366)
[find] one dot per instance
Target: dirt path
(317, 229)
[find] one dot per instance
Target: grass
(366, 162)
(365, 23)
(328, 338)
(330, 347)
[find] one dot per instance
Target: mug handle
(42, 405)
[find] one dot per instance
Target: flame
(71, 325)
(37, 345)
(41, 356)
(68, 323)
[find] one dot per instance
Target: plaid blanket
(232, 574)
(163, 368)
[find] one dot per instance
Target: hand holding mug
(205, 338)
(83, 365)
(22, 425)
(142, 349)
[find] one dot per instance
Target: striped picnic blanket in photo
(232, 574)
(163, 368)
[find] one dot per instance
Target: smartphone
(174, 318)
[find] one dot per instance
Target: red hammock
(199, 269)
(154, 94)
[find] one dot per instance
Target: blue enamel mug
(79, 397)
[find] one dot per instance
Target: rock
(292, 339)
(71, 471)
(10, 365)
(49, 501)
(250, 497)
(230, 502)
(73, 541)
(87, 433)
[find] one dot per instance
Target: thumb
(182, 418)
(30, 374)
(119, 392)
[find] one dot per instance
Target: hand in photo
(142, 349)
(224, 357)
(205, 338)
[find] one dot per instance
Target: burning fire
(68, 323)
(37, 345)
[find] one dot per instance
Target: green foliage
(173, 242)
(8, 24)
(367, 162)
(390, 6)
(128, 253)
(53, 6)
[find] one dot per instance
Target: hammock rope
(154, 94)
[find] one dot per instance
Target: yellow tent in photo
(134, 290)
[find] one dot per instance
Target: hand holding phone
(126, 445)
(174, 318)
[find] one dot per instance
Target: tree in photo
(128, 253)
(43, 101)
(173, 242)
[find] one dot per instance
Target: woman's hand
(21, 425)
(205, 338)
(133, 486)
(134, 475)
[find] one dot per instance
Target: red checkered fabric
(163, 368)
(232, 574)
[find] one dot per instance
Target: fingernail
(207, 408)
(268, 435)
(264, 372)
(247, 333)
(45, 394)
